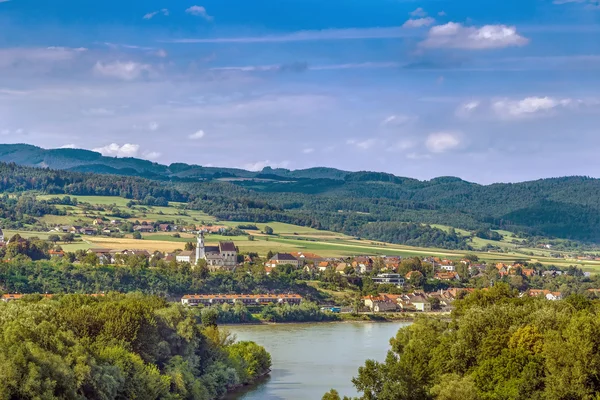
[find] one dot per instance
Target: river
(310, 359)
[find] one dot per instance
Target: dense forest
(497, 346)
(323, 198)
(169, 280)
(119, 347)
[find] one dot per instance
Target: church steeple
(200, 253)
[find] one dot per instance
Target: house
(10, 297)
(170, 257)
(363, 264)
(143, 228)
(446, 276)
(306, 257)
(165, 227)
(545, 293)
(447, 265)
(247, 299)
(393, 279)
(382, 303)
(528, 272)
(212, 228)
(419, 301)
(322, 266)
(98, 221)
(56, 253)
(283, 259)
(87, 231)
(185, 256)
(75, 229)
(340, 268)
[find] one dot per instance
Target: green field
(286, 238)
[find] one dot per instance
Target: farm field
(286, 238)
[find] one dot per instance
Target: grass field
(287, 238)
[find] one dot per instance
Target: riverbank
(348, 317)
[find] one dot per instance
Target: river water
(310, 359)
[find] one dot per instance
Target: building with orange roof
(248, 299)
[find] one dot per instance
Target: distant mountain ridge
(367, 204)
(80, 160)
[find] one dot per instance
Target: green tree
(137, 235)
(268, 230)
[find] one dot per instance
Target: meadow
(286, 237)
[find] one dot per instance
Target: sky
(489, 91)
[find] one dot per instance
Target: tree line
(119, 347)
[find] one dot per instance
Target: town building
(382, 303)
(247, 299)
(217, 257)
(283, 259)
(185, 256)
(393, 279)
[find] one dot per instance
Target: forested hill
(368, 204)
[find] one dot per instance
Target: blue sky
(485, 90)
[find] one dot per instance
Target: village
(402, 287)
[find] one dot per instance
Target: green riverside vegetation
(496, 346)
(119, 347)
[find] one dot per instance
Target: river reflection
(310, 359)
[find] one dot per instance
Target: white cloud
(126, 71)
(308, 150)
(362, 144)
(468, 108)
(53, 54)
(530, 106)
(152, 14)
(115, 150)
(160, 53)
(260, 165)
(151, 155)
(458, 36)
(419, 12)
(301, 36)
(402, 145)
(442, 13)
(397, 120)
(199, 11)
(18, 131)
(441, 142)
(98, 112)
(419, 22)
(197, 135)
(299, 67)
(68, 146)
(153, 126)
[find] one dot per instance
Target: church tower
(200, 254)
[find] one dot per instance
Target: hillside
(354, 203)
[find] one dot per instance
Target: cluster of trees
(169, 280)
(497, 346)
(413, 235)
(18, 211)
(21, 249)
(118, 347)
(305, 312)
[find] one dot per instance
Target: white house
(185, 256)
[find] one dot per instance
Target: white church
(217, 257)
